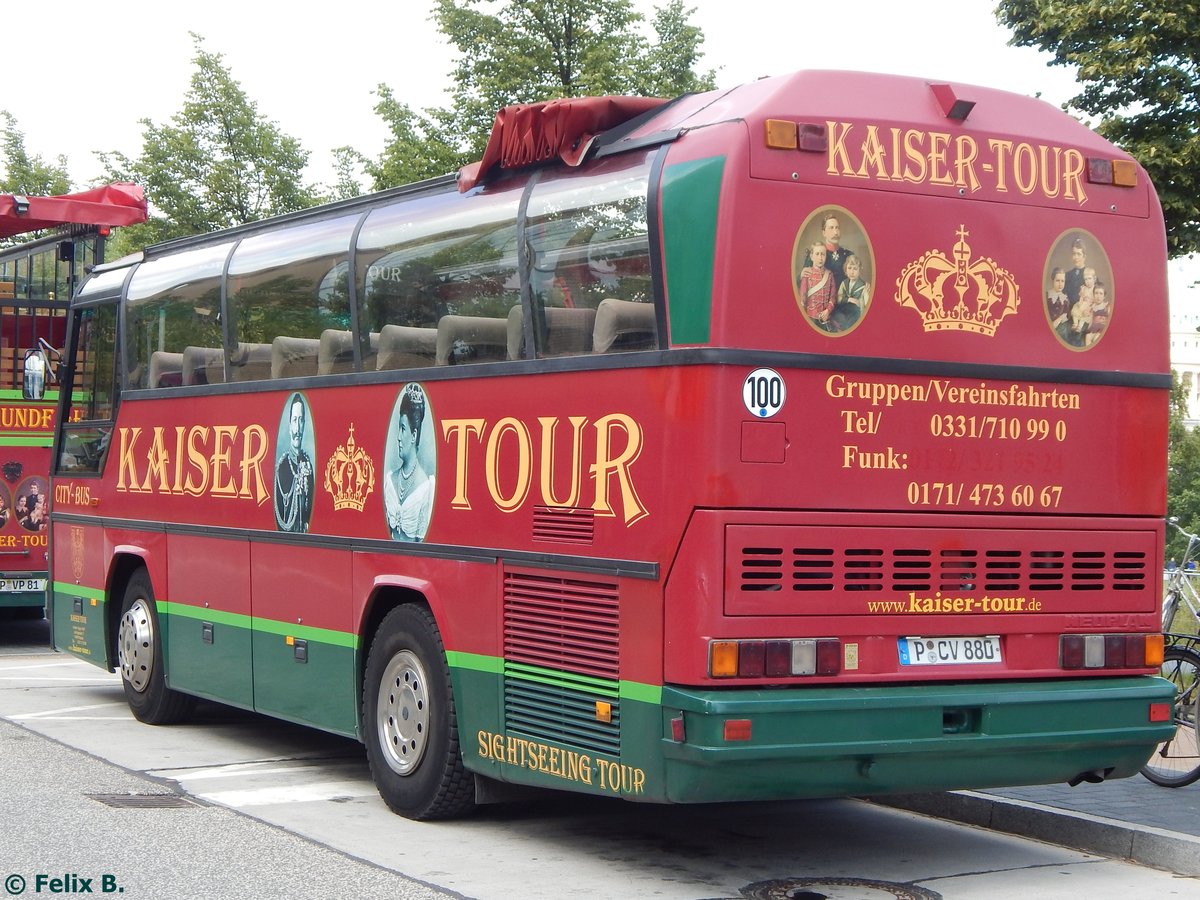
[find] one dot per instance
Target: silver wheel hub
(402, 712)
(135, 646)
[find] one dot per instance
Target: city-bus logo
(956, 292)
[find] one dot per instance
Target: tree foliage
(525, 51)
(25, 174)
(219, 163)
(1138, 65)
(1183, 470)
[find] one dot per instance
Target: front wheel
(140, 658)
(409, 723)
(1176, 762)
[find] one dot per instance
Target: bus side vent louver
(561, 662)
(564, 525)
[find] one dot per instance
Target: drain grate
(835, 889)
(143, 801)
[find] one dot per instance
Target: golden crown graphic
(350, 475)
(958, 294)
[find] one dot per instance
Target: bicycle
(1180, 586)
(1176, 762)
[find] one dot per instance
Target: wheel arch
(388, 593)
(126, 560)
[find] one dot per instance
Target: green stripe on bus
(78, 590)
(475, 662)
(263, 626)
(23, 440)
(15, 394)
(691, 193)
(495, 665)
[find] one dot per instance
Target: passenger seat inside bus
(336, 353)
(203, 365)
(468, 339)
(568, 331)
(293, 357)
(166, 369)
(406, 347)
(623, 325)
(250, 362)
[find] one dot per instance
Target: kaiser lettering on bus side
(197, 461)
(936, 157)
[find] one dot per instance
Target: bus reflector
(781, 134)
(737, 729)
(1160, 712)
(603, 711)
(678, 733)
(1110, 651)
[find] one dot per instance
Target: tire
(1176, 762)
(140, 658)
(409, 723)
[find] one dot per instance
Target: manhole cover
(835, 889)
(143, 801)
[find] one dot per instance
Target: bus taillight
(1117, 172)
(774, 659)
(1110, 651)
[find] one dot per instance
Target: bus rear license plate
(949, 651)
(20, 585)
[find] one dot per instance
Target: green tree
(525, 51)
(1138, 66)
(1183, 470)
(218, 164)
(25, 174)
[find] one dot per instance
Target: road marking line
(300, 793)
(53, 665)
(55, 713)
(236, 770)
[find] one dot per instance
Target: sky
(85, 86)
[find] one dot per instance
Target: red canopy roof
(536, 132)
(115, 204)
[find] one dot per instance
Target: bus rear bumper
(829, 742)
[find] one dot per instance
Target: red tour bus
(37, 278)
(801, 439)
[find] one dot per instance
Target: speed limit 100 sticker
(764, 393)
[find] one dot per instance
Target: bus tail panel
(828, 742)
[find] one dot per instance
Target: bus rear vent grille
(915, 559)
(561, 662)
(565, 525)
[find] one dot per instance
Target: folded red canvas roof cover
(120, 203)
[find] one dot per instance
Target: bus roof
(112, 205)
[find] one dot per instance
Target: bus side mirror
(33, 375)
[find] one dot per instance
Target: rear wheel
(1176, 762)
(140, 658)
(409, 723)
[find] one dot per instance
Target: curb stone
(1154, 847)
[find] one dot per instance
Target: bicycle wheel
(1176, 762)
(1170, 605)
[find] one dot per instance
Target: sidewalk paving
(1129, 818)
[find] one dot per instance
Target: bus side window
(173, 310)
(439, 277)
(286, 288)
(589, 245)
